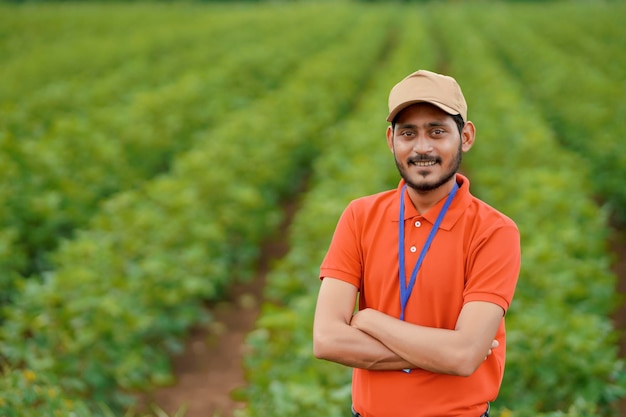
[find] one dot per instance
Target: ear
(390, 138)
(468, 134)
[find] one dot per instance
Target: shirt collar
(460, 203)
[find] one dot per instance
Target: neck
(425, 200)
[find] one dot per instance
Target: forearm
(351, 347)
(422, 347)
(448, 351)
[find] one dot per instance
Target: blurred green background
(147, 150)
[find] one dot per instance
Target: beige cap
(426, 86)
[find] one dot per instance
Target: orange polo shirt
(475, 256)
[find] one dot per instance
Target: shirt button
(418, 224)
(413, 249)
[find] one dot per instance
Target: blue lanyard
(405, 290)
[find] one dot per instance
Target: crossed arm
(373, 340)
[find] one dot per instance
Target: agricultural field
(147, 151)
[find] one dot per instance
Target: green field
(147, 152)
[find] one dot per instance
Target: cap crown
(429, 87)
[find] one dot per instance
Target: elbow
(465, 363)
(330, 345)
(330, 340)
(318, 350)
(322, 347)
(465, 370)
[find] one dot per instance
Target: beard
(421, 187)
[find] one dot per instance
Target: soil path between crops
(210, 369)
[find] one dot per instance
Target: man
(433, 267)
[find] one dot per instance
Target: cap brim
(406, 104)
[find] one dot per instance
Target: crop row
(54, 183)
(231, 142)
(42, 52)
(561, 352)
(125, 289)
(579, 90)
(283, 377)
(583, 31)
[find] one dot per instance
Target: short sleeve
(493, 267)
(343, 260)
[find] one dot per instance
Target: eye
(438, 132)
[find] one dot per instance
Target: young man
(433, 267)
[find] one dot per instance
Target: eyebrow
(436, 123)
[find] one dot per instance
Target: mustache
(423, 158)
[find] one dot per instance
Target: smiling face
(427, 146)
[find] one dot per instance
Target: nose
(422, 145)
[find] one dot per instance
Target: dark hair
(460, 123)
(458, 119)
